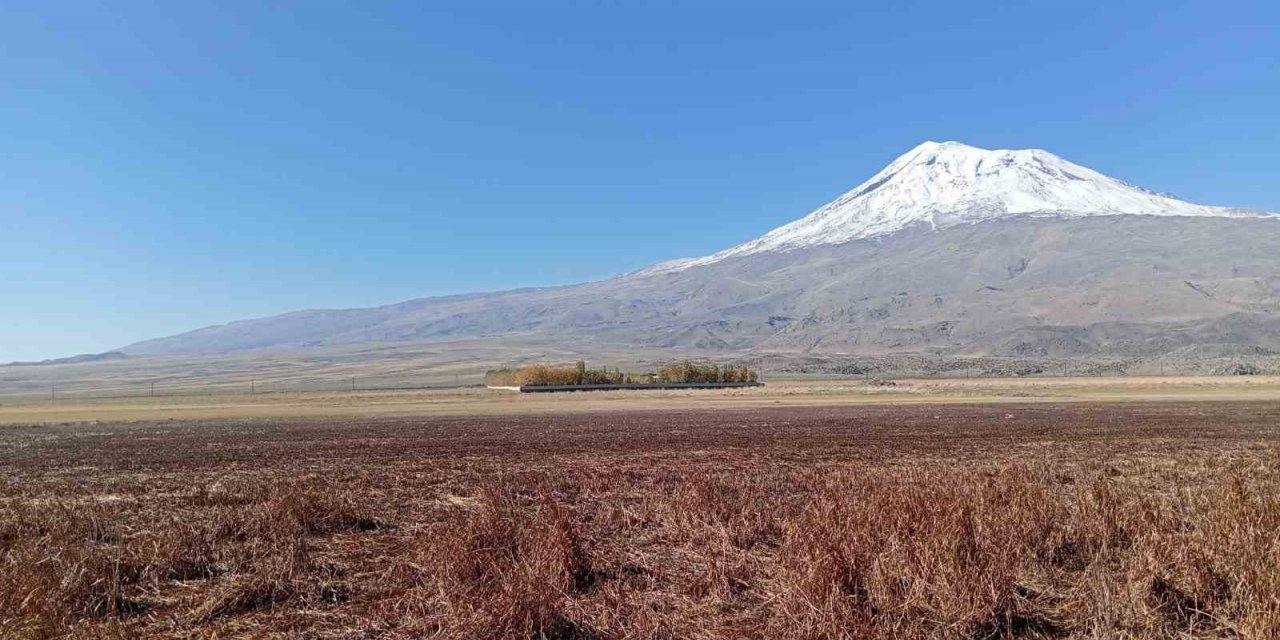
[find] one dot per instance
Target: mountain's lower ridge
(1033, 286)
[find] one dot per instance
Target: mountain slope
(946, 184)
(934, 253)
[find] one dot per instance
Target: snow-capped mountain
(899, 264)
(944, 184)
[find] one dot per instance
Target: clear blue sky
(169, 165)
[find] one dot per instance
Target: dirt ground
(933, 520)
(795, 392)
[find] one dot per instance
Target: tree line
(579, 374)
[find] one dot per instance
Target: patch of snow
(944, 184)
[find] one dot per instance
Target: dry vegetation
(540, 374)
(685, 372)
(676, 373)
(1044, 521)
(478, 401)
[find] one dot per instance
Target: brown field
(914, 520)
(478, 401)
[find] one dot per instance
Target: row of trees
(579, 374)
(678, 373)
(686, 372)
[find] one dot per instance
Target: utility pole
(253, 387)
(53, 392)
(153, 389)
(353, 383)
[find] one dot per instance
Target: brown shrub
(61, 563)
(544, 375)
(507, 570)
(689, 372)
(1012, 555)
(678, 373)
(634, 526)
(65, 563)
(272, 580)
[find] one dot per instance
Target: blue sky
(165, 166)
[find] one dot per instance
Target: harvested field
(1043, 520)
(819, 392)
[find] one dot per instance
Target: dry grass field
(910, 520)
(475, 401)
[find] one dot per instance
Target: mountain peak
(943, 184)
(931, 145)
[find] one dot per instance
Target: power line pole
(153, 389)
(253, 387)
(53, 392)
(353, 383)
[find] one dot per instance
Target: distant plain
(795, 391)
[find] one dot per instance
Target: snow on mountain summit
(943, 184)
